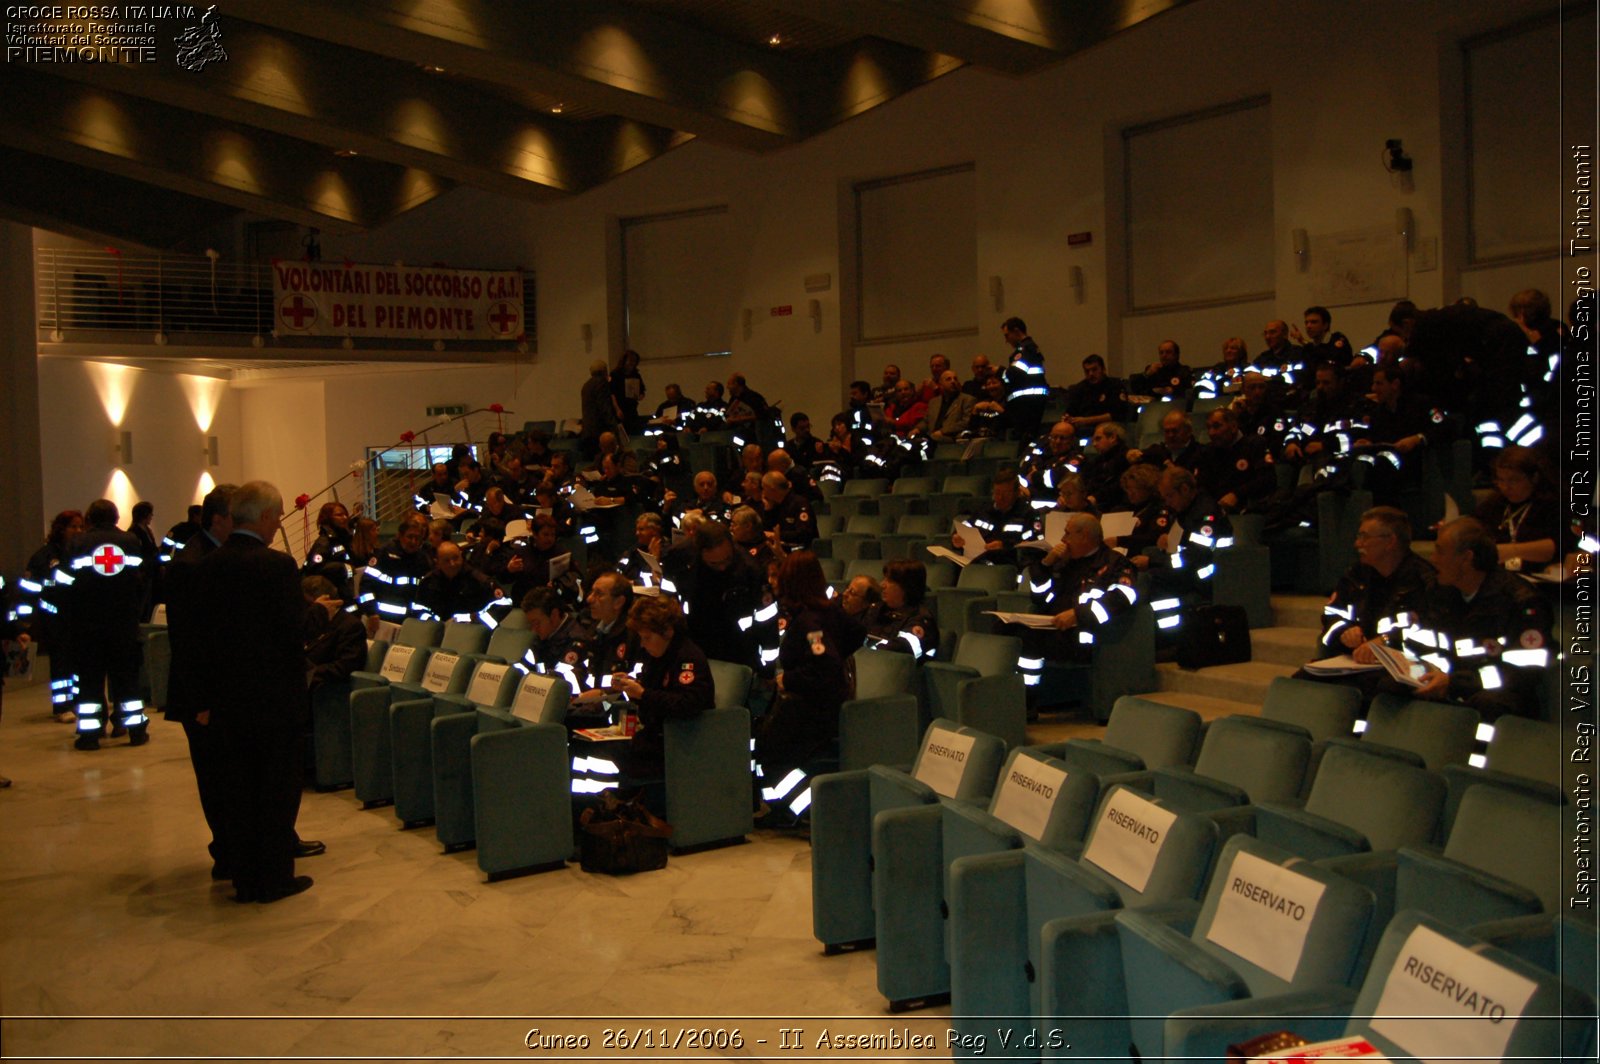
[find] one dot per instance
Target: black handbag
(1214, 635)
(619, 838)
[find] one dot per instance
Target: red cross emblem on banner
(297, 312)
(109, 560)
(504, 318)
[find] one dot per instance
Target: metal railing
(383, 484)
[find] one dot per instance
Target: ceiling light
(557, 108)
(775, 40)
(346, 153)
(429, 68)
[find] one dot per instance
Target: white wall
(163, 412)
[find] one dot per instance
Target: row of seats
(1028, 887)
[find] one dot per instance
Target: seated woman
(1073, 496)
(818, 640)
(903, 621)
(1523, 514)
(1150, 517)
(674, 684)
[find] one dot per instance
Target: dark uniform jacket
(1097, 587)
(910, 629)
(677, 686)
(796, 525)
(389, 582)
(1243, 469)
(1150, 523)
(100, 603)
(1497, 642)
(1010, 527)
(727, 615)
(250, 618)
(1190, 568)
(1102, 476)
(329, 557)
(459, 598)
(816, 648)
(1381, 606)
(1189, 456)
(1090, 400)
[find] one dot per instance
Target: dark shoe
(297, 885)
(310, 848)
(5, 782)
(86, 742)
(118, 731)
(221, 872)
(138, 736)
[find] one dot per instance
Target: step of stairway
(1246, 682)
(1298, 611)
(1209, 707)
(1281, 645)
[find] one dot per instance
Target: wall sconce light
(814, 311)
(1302, 248)
(586, 331)
(997, 293)
(121, 447)
(1075, 282)
(211, 451)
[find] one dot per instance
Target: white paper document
(1117, 524)
(1027, 620)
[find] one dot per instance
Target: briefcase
(1214, 635)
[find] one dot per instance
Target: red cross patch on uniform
(1532, 639)
(1162, 521)
(686, 673)
(109, 560)
(1241, 465)
(917, 631)
(571, 657)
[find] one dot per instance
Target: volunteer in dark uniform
(706, 499)
(105, 594)
(336, 643)
(675, 684)
(1523, 515)
(1182, 577)
(1401, 427)
(1385, 592)
(813, 681)
(1320, 344)
(39, 602)
(642, 563)
(1225, 377)
(723, 593)
(808, 451)
(561, 639)
(150, 550)
(1097, 398)
(1047, 466)
(750, 538)
(1177, 447)
(179, 534)
(389, 583)
(1236, 471)
(1009, 520)
(456, 592)
(786, 512)
(1141, 488)
(329, 555)
(903, 620)
(1103, 466)
(1261, 417)
(1026, 387)
(1085, 586)
(1166, 376)
(1484, 634)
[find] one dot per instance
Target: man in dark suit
(186, 702)
(249, 614)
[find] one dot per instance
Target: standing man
(250, 613)
(1026, 387)
(186, 698)
(105, 594)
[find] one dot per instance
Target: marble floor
(114, 941)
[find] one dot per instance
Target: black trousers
(211, 780)
(106, 661)
(261, 761)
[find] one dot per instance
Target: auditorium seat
(1000, 902)
(1037, 800)
(1440, 733)
(1325, 710)
(447, 672)
(521, 781)
(1359, 801)
(370, 695)
(1522, 755)
(949, 762)
(494, 685)
(880, 725)
(980, 686)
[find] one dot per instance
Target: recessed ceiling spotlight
(557, 108)
(429, 68)
(775, 40)
(346, 153)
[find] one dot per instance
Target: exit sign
(447, 411)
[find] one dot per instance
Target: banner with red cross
(396, 302)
